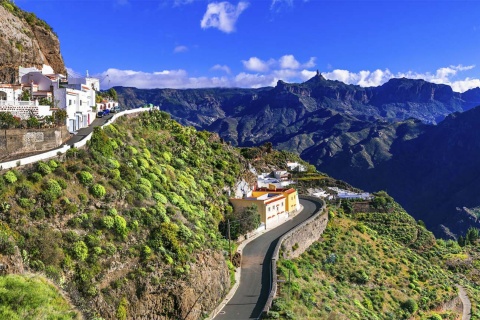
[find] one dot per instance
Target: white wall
(62, 150)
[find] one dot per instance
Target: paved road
(467, 306)
(82, 133)
(252, 293)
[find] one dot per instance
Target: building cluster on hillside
(274, 199)
(274, 205)
(345, 194)
(77, 96)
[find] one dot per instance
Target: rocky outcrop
(25, 41)
(160, 296)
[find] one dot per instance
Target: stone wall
(298, 241)
(300, 238)
(21, 141)
(21, 111)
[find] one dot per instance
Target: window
(69, 102)
(80, 102)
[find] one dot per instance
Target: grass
(32, 297)
(355, 272)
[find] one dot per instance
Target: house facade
(292, 203)
(271, 207)
(10, 101)
(76, 95)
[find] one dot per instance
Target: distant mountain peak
(317, 78)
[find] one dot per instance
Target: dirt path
(467, 306)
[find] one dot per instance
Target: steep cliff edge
(27, 41)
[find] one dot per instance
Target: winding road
(254, 288)
(467, 306)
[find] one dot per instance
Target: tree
(33, 122)
(25, 95)
(60, 116)
(7, 120)
(241, 222)
(113, 94)
(45, 102)
(472, 235)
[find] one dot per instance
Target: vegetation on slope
(133, 210)
(375, 265)
(32, 297)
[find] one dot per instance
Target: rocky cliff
(27, 41)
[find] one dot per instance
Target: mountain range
(370, 137)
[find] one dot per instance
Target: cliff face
(25, 41)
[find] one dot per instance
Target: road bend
(254, 288)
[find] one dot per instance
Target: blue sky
(197, 43)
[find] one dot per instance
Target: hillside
(365, 136)
(362, 269)
(130, 225)
(418, 164)
(25, 40)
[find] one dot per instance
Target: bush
(160, 198)
(122, 309)
(52, 191)
(98, 191)
(80, 250)
(85, 177)
(52, 164)
(108, 222)
(10, 177)
(410, 306)
(120, 226)
(35, 177)
(43, 168)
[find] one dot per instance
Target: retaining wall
(19, 141)
(302, 236)
(63, 149)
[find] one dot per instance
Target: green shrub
(85, 177)
(36, 177)
(122, 309)
(108, 222)
(52, 190)
(80, 250)
(10, 177)
(410, 306)
(52, 164)
(113, 164)
(43, 168)
(120, 225)
(98, 191)
(144, 190)
(160, 198)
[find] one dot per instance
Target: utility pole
(289, 284)
(229, 246)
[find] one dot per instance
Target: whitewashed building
(10, 101)
(75, 95)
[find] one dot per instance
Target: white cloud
(272, 72)
(289, 62)
(224, 68)
(180, 49)
(285, 62)
(444, 75)
(255, 64)
(222, 15)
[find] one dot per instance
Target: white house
(10, 101)
(295, 166)
(75, 95)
